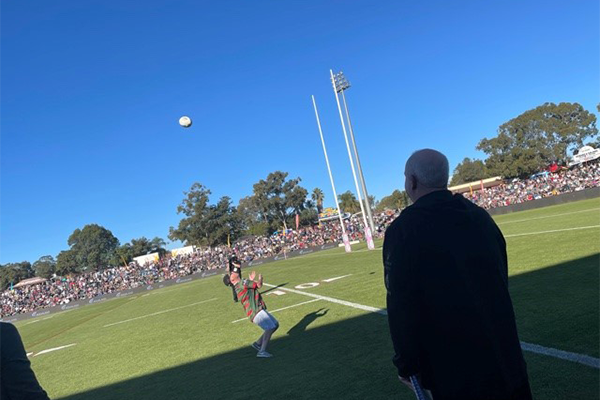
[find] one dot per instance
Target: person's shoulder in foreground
(17, 380)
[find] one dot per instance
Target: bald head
(426, 171)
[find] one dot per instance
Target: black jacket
(450, 314)
(17, 380)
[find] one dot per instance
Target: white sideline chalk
(52, 349)
(334, 300)
(533, 348)
(279, 309)
(547, 216)
(561, 354)
(552, 231)
(336, 278)
(159, 312)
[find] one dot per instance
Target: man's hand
(252, 275)
(406, 382)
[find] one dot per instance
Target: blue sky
(92, 91)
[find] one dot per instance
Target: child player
(255, 308)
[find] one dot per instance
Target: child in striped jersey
(255, 308)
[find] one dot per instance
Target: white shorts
(265, 320)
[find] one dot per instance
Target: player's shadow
(351, 358)
(307, 320)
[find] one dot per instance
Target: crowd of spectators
(63, 290)
(544, 184)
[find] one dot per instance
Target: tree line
(274, 204)
(531, 142)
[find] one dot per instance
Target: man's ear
(413, 182)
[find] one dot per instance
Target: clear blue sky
(92, 91)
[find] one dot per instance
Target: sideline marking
(334, 300)
(336, 278)
(52, 349)
(37, 320)
(563, 355)
(547, 216)
(552, 231)
(533, 348)
(279, 309)
(159, 312)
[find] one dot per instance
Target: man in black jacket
(17, 380)
(450, 314)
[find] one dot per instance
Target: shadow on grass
(350, 359)
(306, 321)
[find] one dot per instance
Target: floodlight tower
(341, 85)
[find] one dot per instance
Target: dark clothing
(450, 314)
(235, 296)
(17, 380)
(235, 299)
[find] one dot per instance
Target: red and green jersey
(250, 297)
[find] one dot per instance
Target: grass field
(182, 343)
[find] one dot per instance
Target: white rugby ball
(185, 121)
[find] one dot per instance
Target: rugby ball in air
(185, 121)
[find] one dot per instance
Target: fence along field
(183, 342)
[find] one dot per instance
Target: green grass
(323, 349)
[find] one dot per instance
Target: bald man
(449, 311)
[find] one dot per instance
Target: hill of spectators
(63, 290)
(579, 177)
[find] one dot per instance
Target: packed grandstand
(62, 290)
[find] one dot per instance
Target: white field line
(37, 320)
(563, 355)
(334, 300)
(533, 348)
(336, 278)
(279, 309)
(552, 231)
(547, 216)
(54, 349)
(159, 312)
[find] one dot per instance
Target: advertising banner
(159, 285)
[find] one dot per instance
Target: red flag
(297, 221)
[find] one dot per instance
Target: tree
(468, 171)
(318, 196)
(277, 200)
(143, 246)
(395, 201)
(14, 272)
(123, 255)
(93, 247)
(138, 247)
(348, 202)
(66, 263)
(372, 202)
(533, 140)
(205, 224)
(45, 267)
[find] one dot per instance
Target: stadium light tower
(341, 85)
(368, 231)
